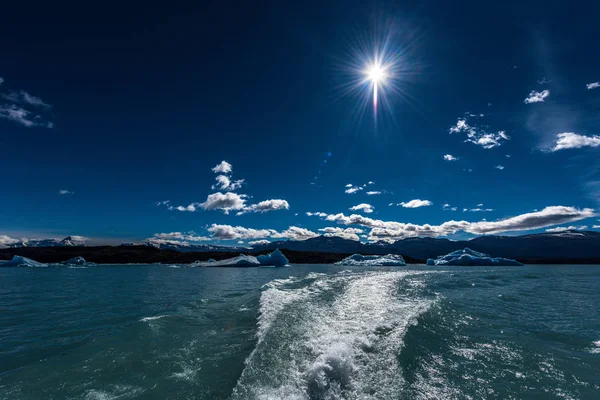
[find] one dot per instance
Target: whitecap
(147, 319)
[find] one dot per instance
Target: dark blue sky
(122, 107)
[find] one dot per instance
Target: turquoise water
(303, 332)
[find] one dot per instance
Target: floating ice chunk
(389, 260)
(276, 259)
(77, 261)
(18, 261)
(467, 257)
(239, 261)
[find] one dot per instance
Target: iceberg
(276, 259)
(239, 261)
(77, 261)
(468, 257)
(18, 261)
(388, 260)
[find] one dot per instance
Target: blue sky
(107, 114)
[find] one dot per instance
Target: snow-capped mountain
(66, 242)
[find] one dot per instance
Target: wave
(332, 336)
(148, 319)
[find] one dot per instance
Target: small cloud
(448, 207)
(364, 207)
(373, 193)
(225, 183)
(450, 157)
(537, 97)
(500, 167)
(259, 242)
(266, 206)
(348, 233)
(370, 183)
(543, 81)
(1, 81)
(416, 203)
(479, 135)
(317, 214)
(64, 192)
(593, 85)
(222, 168)
(349, 185)
(507, 155)
(571, 140)
(566, 228)
(23, 97)
(353, 189)
(489, 104)
(21, 116)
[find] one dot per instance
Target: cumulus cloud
(64, 192)
(570, 140)
(537, 97)
(353, 189)
(478, 135)
(593, 85)
(448, 207)
(222, 168)
(349, 185)
(265, 206)
(450, 157)
(416, 203)
(364, 207)
(317, 214)
(566, 228)
(228, 232)
(225, 183)
(373, 193)
(392, 230)
(500, 167)
(224, 201)
(347, 233)
(259, 242)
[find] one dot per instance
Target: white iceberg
(276, 259)
(77, 261)
(388, 260)
(18, 261)
(239, 261)
(468, 257)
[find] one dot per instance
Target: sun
(376, 74)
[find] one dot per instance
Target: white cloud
(479, 136)
(570, 140)
(373, 193)
(1, 81)
(163, 203)
(317, 214)
(224, 201)
(537, 97)
(593, 85)
(191, 207)
(228, 232)
(392, 230)
(500, 167)
(225, 183)
(416, 203)
(222, 168)
(20, 115)
(507, 155)
(478, 209)
(448, 207)
(65, 192)
(23, 97)
(349, 185)
(185, 236)
(295, 233)
(566, 228)
(259, 242)
(348, 233)
(364, 207)
(543, 81)
(370, 183)
(265, 206)
(450, 157)
(353, 189)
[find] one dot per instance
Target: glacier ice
(388, 260)
(468, 257)
(77, 261)
(18, 261)
(239, 261)
(276, 259)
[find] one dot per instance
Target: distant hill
(577, 247)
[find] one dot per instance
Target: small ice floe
(388, 260)
(468, 257)
(18, 261)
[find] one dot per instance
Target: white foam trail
(147, 319)
(330, 337)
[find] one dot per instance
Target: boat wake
(332, 336)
